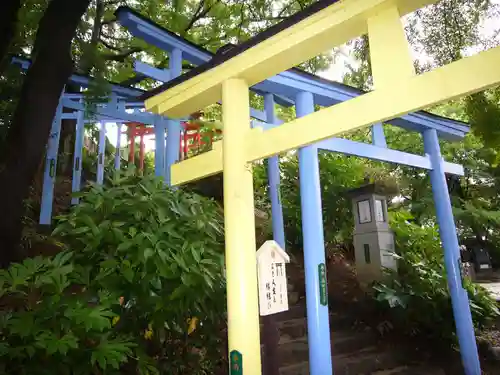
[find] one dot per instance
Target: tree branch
(114, 2)
(120, 57)
(254, 14)
(139, 78)
(285, 8)
(198, 15)
(242, 20)
(302, 5)
(107, 22)
(109, 46)
(195, 17)
(277, 18)
(109, 37)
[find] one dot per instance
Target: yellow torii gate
(398, 91)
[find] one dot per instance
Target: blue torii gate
(304, 90)
(122, 98)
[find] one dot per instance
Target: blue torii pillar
(318, 325)
(273, 176)
(118, 146)
(378, 137)
(452, 260)
(77, 156)
(159, 125)
(49, 175)
(101, 153)
(270, 334)
(173, 126)
(120, 106)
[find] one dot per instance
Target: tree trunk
(8, 22)
(52, 65)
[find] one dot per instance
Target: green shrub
(417, 297)
(49, 324)
(142, 262)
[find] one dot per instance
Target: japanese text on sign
(271, 272)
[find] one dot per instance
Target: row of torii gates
(193, 140)
(124, 110)
(258, 65)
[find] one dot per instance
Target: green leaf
(178, 292)
(128, 273)
(127, 244)
(111, 263)
(148, 253)
(132, 231)
(62, 258)
(95, 318)
(111, 353)
(21, 324)
(196, 254)
(90, 222)
(144, 189)
(4, 348)
(81, 230)
(53, 344)
(162, 215)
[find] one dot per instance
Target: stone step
(294, 312)
(337, 320)
(293, 328)
(293, 350)
(366, 361)
(297, 327)
(411, 370)
(303, 369)
(355, 352)
(345, 342)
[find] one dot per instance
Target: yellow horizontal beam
(201, 166)
(448, 82)
(326, 29)
(198, 167)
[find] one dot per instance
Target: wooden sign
(271, 276)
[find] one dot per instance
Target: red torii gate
(192, 138)
(135, 129)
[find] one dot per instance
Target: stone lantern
(373, 239)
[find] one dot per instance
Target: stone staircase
(355, 351)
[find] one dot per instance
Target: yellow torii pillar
(239, 224)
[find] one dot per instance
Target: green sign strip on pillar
(236, 363)
(323, 297)
(462, 271)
